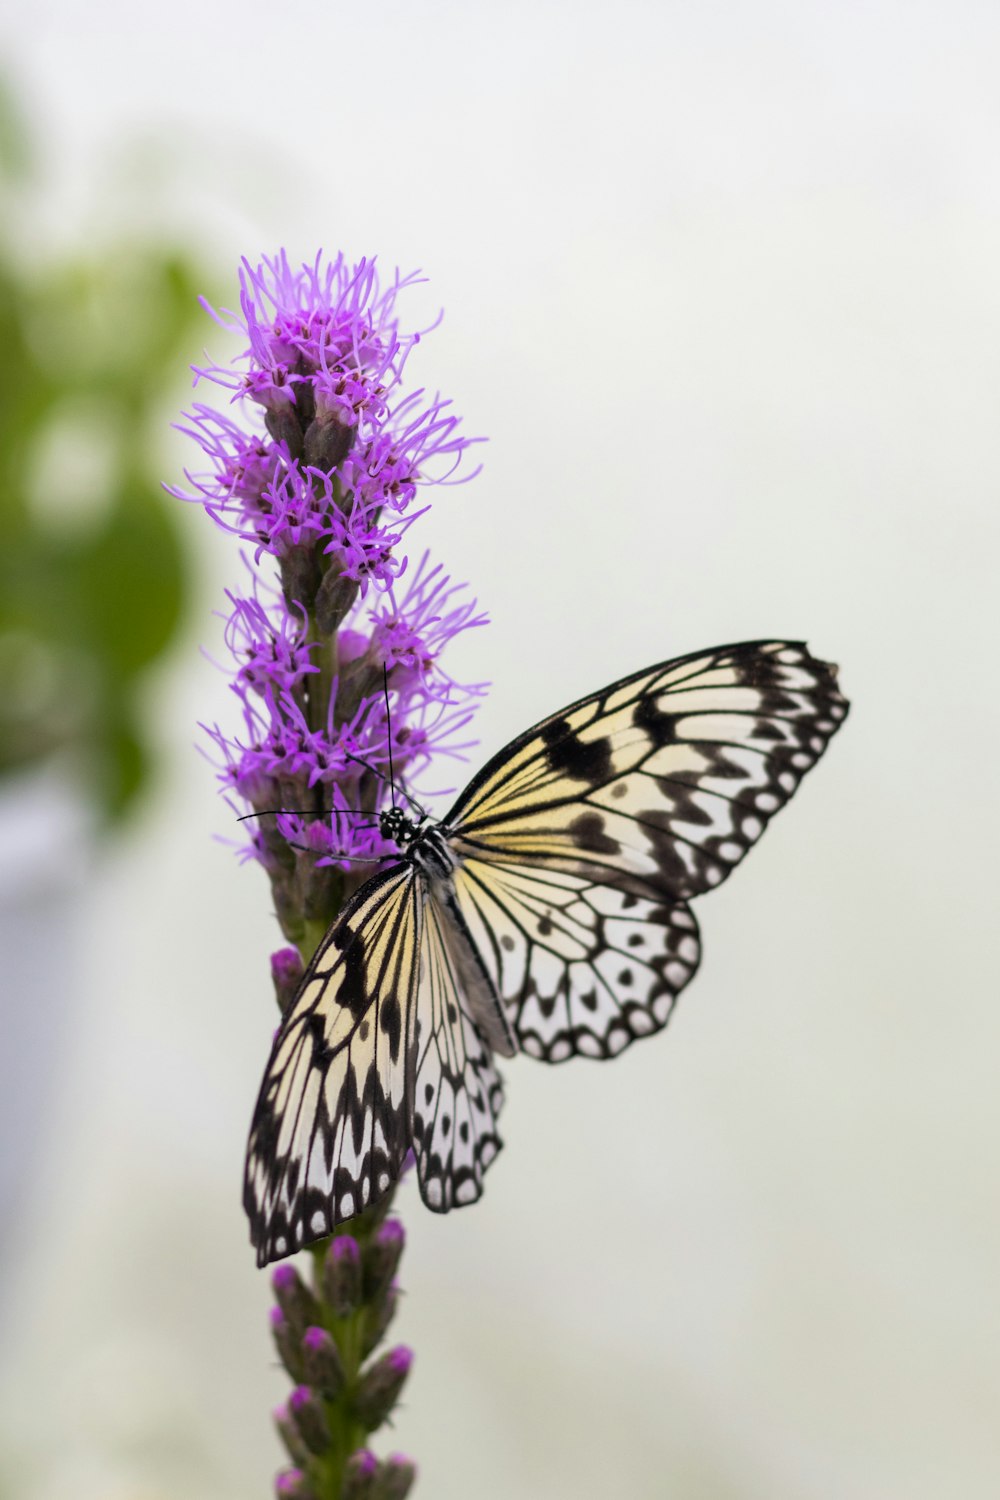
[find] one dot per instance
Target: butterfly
(547, 913)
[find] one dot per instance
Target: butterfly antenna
(266, 812)
(350, 859)
(360, 760)
(412, 800)
(388, 731)
(392, 780)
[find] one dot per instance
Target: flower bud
(292, 1484)
(282, 422)
(342, 1276)
(289, 1434)
(300, 576)
(327, 441)
(310, 1418)
(377, 1320)
(286, 1344)
(294, 1298)
(323, 1365)
(334, 597)
(319, 891)
(394, 1479)
(382, 1258)
(380, 1386)
(359, 1475)
(286, 972)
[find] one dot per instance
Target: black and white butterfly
(546, 914)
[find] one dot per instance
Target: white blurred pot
(46, 845)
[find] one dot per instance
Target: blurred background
(721, 286)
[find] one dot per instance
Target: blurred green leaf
(90, 594)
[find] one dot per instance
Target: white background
(722, 288)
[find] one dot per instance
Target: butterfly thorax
(422, 842)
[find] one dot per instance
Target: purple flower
(322, 485)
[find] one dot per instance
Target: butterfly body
(547, 913)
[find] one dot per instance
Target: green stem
(320, 683)
(315, 903)
(314, 931)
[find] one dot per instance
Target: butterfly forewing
(661, 783)
(331, 1128)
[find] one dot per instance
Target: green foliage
(93, 577)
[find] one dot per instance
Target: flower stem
(325, 1334)
(323, 489)
(328, 1331)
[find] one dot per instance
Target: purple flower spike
(323, 485)
(318, 461)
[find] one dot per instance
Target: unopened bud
(286, 1344)
(394, 1479)
(342, 1276)
(295, 1299)
(310, 1418)
(300, 575)
(286, 972)
(359, 1475)
(334, 598)
(327, 442)
(282, 422)
(377, 1320)
(292, 1484)
(290, 1436)
(382, 1258)
(380, 1386)
(323, 1365)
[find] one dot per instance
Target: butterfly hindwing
(660, 783)
(458, 1093)
(331, 1128)
(583, 969)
